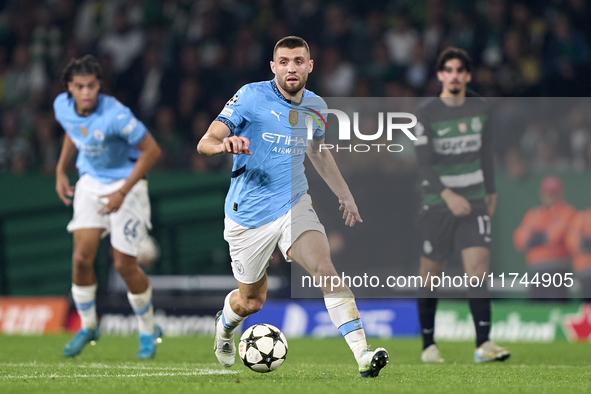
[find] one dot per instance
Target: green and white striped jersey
(454, 150)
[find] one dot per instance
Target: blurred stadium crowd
(176, 62)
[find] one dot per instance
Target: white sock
(143, 309)
(345, 316)
(229, 321)
(85, 300)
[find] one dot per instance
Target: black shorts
(442, 233)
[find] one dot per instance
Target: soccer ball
(262, 348)
(148, 251)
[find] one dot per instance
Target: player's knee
(253, 305)
(82, 259)
(124, 267)
(325, 269)
(478, 268)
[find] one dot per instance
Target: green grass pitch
(187, 365)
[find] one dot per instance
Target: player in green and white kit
(454, 153)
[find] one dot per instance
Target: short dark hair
(86, 65)
(291, 42)
(454, 53)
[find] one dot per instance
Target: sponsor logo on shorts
(427, 247)
(239, 267)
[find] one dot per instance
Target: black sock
(427, 307)
(479, 300)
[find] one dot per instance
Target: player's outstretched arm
(324, 163)
(217, 141)
(150, 152)
(62, 183)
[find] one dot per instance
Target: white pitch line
(192, 367)
(550, 366)
(514, 366)
(101, 366)
(135, 375)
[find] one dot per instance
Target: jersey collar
(72, 102)
(281, 96)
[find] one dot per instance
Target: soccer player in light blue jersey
(115, 152)
(267, 204)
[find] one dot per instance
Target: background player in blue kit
(115, 152)
(267, 204)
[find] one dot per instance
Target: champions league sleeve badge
(232, 101)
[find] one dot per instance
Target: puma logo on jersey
(443, 131)
(277, 115)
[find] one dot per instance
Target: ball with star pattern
(262, 348)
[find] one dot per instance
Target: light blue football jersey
(266, 184)
(105, 139)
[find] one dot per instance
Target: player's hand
(491, 203)
(63, 188)
(457, 204)
(236, 145)
(350, 211)
(113, 202)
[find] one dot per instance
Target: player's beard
(456, 91)
(293, 89)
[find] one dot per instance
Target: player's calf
(344, 314)
(149, 332)
(226, 322)
(85, 300)
(223, 347)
